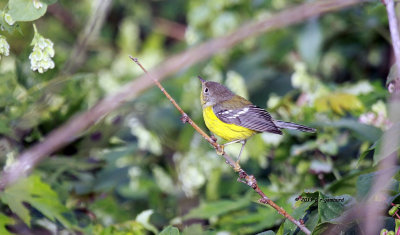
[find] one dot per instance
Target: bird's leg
(243, 142)
(232, 142)
(220, 150)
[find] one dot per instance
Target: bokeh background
(139, 169)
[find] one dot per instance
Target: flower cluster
(4, 47)
(42, 53)
(377, 117)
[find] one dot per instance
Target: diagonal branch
(67, 132)
(250, 180)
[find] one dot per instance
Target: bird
(235, 119)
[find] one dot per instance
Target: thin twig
(185, 117)
(69, 131)
(249, 180)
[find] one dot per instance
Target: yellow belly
(229, 132)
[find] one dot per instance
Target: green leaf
(4, 127)
(48, 2)
(365, 181)
(347, 184)
(364, 184)
(310, 42)
(129, 227)
(251, 222)
(310, 217)
(107, 208)
(391, 144)
(330, 207)
(366, 152)
(14, 200)
(317, 207)
(307, 198)
(269, 232)
(208, 210)
(320, 228)
(39, 195)
(281, 229)
(5, 220)
(306, 210)
(23, 10)
(194, 229)
(170, 231)
(364, 132)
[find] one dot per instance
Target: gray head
(213, 93)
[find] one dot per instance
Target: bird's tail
(294, 126)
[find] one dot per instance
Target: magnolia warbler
(236, 119)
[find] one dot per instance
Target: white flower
(9, 19)
(36, 55)
(303, 80)
(4, 46)
(42, 53)
(378, 116)
(380, 108)
(359, 88)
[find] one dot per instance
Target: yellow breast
(229, 132)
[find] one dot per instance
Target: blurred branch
(369, 211)
(91, 30)
(171, 29)
(381, 183)
(394, 33)
(250, 180)
(344, 222)
(67, 132)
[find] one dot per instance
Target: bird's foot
(220, 150)
(237, 166)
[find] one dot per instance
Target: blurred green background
(139, 169)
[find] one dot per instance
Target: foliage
(139, 170)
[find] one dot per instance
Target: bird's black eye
(206, 90)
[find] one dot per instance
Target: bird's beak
(201, 79)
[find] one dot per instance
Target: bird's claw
(237, 167)
(220, 150)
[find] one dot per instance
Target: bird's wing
(249, 116)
